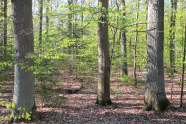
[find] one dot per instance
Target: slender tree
(155, 96)
(24, 47)
(124, 41)
(135, 43)
(5, 29)
(172, 36)
(40, 23)
(47, 17)
(103, 93)
(1, 30)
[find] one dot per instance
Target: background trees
(69, 43)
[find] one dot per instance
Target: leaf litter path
(80, 107)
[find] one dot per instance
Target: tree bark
(5, 29)
(103, 93)
(124, 42)
(1, 31)
(135, 44)
(172, 36)
(183, 64)
(24, 47)
(47, 18)
(155, 96)
(40, 24)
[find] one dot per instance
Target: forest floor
(80, 108)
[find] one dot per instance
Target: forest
(92, 61)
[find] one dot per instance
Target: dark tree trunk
(135, 44)
(47, 18)
(1, 32)
(24, 47)
(40, 23)
(103, 93)
(172, 36)
(124, 42)
(5, 29)
(155, 96)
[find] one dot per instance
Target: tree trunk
(183, 64)
(5, 29)
(124, 42)
(1, 31)
(40, 24)
(24, 47)
(47, 18)
(135, 44)
(172, 36)
(103, 93)
(155, 96)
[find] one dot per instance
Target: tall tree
(5, 29)
(1, 30)
(172, 35)
(183, 64)
(47, 17)
(24, 47)
(103, 93)
(124, 41)
(155, 96)
(40, 23)
(135, 43)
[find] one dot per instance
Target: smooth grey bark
(155, 96)
(24, 47)
(172, 36)
(103, 92)
(124, 42)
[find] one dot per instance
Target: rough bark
(155, 96)
(103, 93)
(124, 42)
(24, 47)
(172, 36)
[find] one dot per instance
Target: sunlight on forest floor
(80, 107)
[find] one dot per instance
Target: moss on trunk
(155, 104)
(103, 103)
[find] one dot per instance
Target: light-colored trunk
(155, 96)
(24, 47)
(103, 93)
